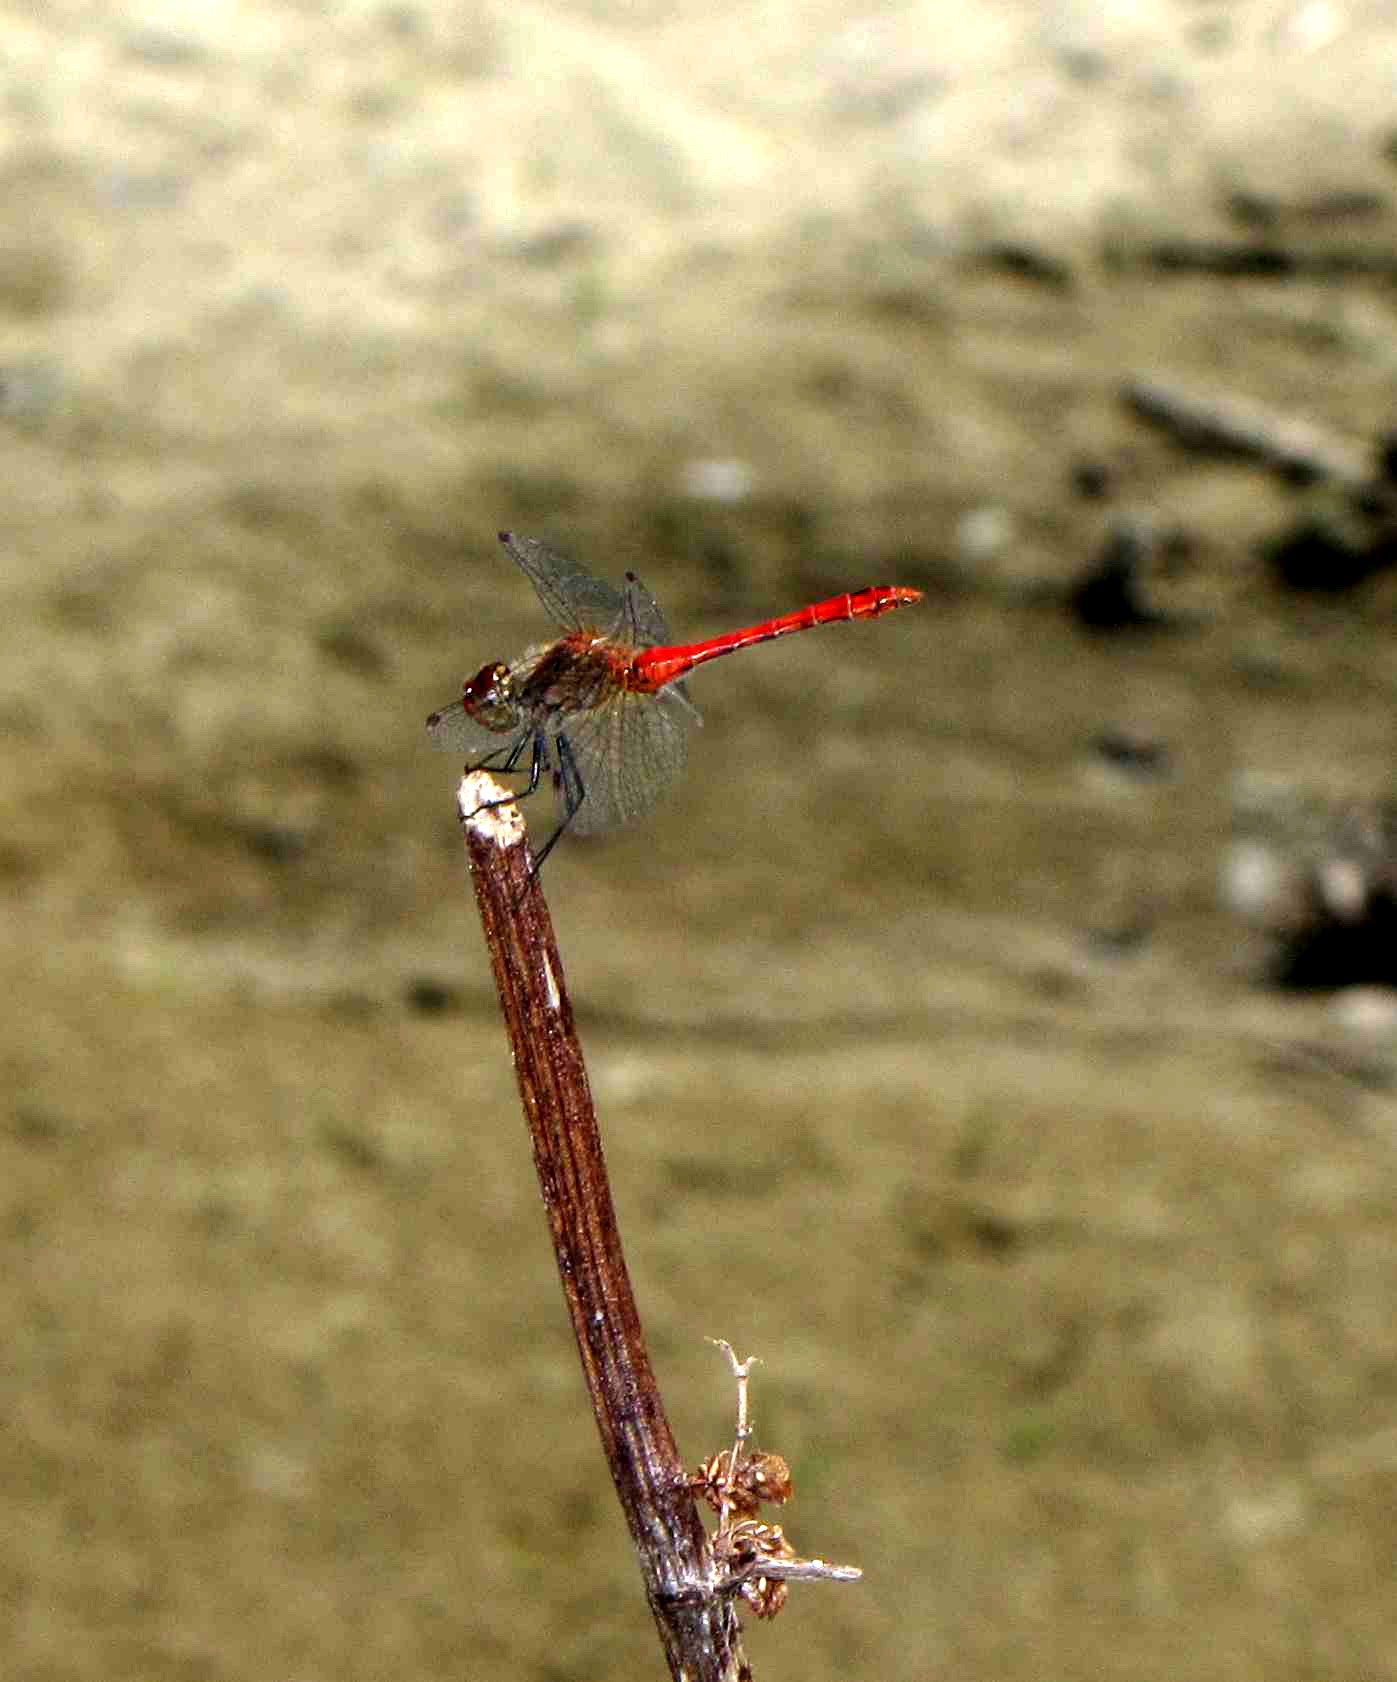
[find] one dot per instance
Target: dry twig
(693, 1611)
(1233, 426)
(693, 1584)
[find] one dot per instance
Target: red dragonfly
(604, 707)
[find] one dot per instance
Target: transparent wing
(628, 752)
(453, 730)
(643, 626)
(573, 598)
(642, 623)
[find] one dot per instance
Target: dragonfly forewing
(453, 730)
(573, 598)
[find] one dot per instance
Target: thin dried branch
(1234, 426)
(690, 1594)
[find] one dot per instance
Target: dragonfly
(604, 708)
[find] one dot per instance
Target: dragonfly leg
(510, 762)
(533, 739)
(570, 792)
(505, 758)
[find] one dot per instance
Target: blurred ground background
(932, 1066)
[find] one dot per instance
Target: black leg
(570, 792)
(510, 763)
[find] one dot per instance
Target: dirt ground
(933, 1067)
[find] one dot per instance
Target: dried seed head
(747, 1543)
(706, 1480)
(765, 1595)
(744, 1547)
(759, 1478)
(767, 1477)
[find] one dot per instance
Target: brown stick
(697, 1623)
(1230, 425)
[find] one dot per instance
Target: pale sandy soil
(1071, 1257)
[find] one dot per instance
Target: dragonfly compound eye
(489, 698)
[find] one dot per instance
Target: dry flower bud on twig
(759, 1477)
(747, 1549)
(756, 1559)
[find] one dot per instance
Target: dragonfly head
(489, 697)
